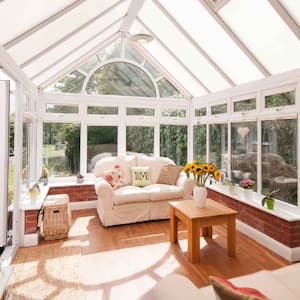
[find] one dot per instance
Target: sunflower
(187, 168)
(205, 168)
(217, 174)
(212, 167)
(194, 165)
(198, 170)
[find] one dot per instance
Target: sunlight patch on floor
(168, 267)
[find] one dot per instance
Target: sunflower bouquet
(201, 172)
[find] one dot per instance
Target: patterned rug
(49, 271)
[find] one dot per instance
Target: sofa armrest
(104, 191)
(187, 184)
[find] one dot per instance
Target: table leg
(231, 236)
(173, 226)
(193, 242)
(207, 231)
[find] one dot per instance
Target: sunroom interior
(215, 81)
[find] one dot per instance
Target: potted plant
(247, 185)
(230, 185)
(269, 199)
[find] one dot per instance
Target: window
(102, 142)
(218, 149)
(102, 110)
(62, 109)
(219, 109)
(244, 151)
(244, 105)
(121, 78)
(25, 155)
(139, 111)
(173, 112)
(200, 112)
(61, 148)
(279, 159)
(200, 143)
(139, 140)
(167, 89)
(173, 142)
(281, 99)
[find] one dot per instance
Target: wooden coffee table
(195, 218)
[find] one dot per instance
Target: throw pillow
(115, 177)
(169, 174)
(140, 176)
(225, 290)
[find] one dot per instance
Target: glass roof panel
(212, 38)
(58, 29)
(181, 47)
(264, 32)
(293, 8)
(89, 65)
(132, 54)
(93, 30)
(27, 13)
(75, 56)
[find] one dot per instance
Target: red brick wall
(285, 232)
(31, 220)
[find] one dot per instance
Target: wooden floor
(124, 262)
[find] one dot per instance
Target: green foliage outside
(140, 139)
(200, 143)
(70, 83)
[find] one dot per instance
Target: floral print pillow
(115, 177)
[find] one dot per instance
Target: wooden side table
(195, 218)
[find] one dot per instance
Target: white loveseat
(279, 284)
(130, 204)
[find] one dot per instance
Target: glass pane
(173, 143)
(200, 112)
(244, 151)
(279, 159)
(200, 143)
(90, 64)
(206, 31)
(62, 109)
(153, 71)
(121, 79)
(281, 99)
(171, 112)
(25, 155)
(139, 140)
(132, 54)
(112, 51)
(102, 142)
(102, 110)
(219, 109)
(167, 89)
(218, 152)
(70, 83)
(244, 105)
(139, 111)
(268, 37)
(61, 148)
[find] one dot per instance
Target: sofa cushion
(130, 194)
(155, 164)
(140, 176)
(115, 177)
(159, 192)
(169, 174)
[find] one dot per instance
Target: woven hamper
(57, 217)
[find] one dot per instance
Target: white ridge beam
(235, 38)
(175, 56)
(289, 21)
(69, 35)
(44, 23)
(133, 10)
(80, 60)
(193, 42)
(47, 67)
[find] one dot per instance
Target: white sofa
(130, 204)
(279, 284)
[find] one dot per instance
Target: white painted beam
(235, 39)
(41, 25)
(289, 21)
(194, 43)
(80, 60)
(71, 34)
(133, 10)
(174, 56)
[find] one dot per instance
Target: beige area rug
(49, 271)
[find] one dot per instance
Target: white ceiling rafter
(145, 53)
(75, 49)
(194, 43)
(42, 24)
(217, 4)
(133, 10)
(71, 34)
(289, 21)
(235, 39)
(80, 60)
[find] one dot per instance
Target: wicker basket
(57, 217)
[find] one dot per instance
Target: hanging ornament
(243, 131)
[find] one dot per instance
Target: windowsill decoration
(201, 173)
(247, 185)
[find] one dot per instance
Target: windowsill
(29, 204)
(282, 210)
